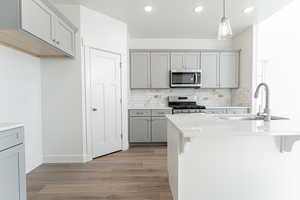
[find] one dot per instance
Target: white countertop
(8, 126)
(150, 107)
(164, 107)
(197, 125)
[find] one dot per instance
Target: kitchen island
(216, 157)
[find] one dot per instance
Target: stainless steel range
(185, 104)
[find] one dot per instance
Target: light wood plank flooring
(137, 174)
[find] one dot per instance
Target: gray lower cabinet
(140, 129)
(159, 129)
(12, 167)
(148, 126)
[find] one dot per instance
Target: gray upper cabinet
(64, 37)
(210, 70)
(140, 129)
(177, 61)
(38, 20)
(36, 27)
(185, 61)
(160, 70)
(159, 129)
(229, 70)
(140, 70)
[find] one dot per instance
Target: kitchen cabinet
(159, 129)
(220, 69)
(12, 165)
(148, 126)
(185, 61)
(37, 28)
(229, 70)
(210, 63)
(140, 70)
(160, 70)
(140, 129)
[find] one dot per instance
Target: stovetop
(184, 107)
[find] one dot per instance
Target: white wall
(245, 42)
(20, 85)
(106, 33)
(278, 59)
(169, 43)
(65, 133)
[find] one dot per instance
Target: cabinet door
(140, 70)
(210, 70)
(12, 174)
(192, 61)
(140, 129)
(37, 19)
(64, 37)
(177, 61)
(160, 70)
(159, 129)
(229, 70)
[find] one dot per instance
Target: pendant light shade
(225, 31)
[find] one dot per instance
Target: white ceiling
(176, 19)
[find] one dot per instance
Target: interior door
(106, 102)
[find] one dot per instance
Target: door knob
(94, 109)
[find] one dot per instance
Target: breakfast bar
(230, 157)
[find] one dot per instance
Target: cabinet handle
(54, 40)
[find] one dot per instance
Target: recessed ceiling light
(248, 10)
(148, 9)
(198, 9)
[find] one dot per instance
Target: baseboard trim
(64, 158)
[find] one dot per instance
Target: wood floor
(137, 174)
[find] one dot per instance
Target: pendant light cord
(224, 8)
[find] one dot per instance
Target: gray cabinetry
(38, 20)
(140, 70)
(160, 70)
(140, 129)
(185, 61)
(159, 129)
(229, 70)
(36, 27)
(210, 70)
(148, 126)
(220, 69)
(12, 166)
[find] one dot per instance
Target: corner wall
(245, 42)
(20, 86)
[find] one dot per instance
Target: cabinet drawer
(11, 138)
(139, 113)
(161, 113)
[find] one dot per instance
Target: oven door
(185, 79)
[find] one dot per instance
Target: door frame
(87, 104)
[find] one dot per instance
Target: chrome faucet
(266, 114)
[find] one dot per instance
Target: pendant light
(225, 31)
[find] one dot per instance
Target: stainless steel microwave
(185, 79)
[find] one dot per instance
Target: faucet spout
(267, 106)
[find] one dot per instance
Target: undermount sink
(252, 117)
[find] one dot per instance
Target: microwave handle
(196, 78)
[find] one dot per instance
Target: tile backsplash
(206, 97)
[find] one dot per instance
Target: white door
(106, 102)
